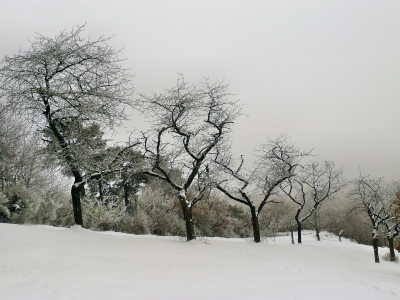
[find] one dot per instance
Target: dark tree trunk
(76, 191)
(256, 225)
(187, 215)
(100, 182)
(126, 193)
(83, 191)
(391, 248)
(76, 204)
(2, 179)
(292, 235)
(317, 234)
(375, 246)
(298, 231)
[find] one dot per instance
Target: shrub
(158, 210)
(4, 211)
(102, 216)
(217, 217)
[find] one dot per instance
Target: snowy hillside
(43, 262)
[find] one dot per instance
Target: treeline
(71, 91)
(34, 191)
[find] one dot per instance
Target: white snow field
(43, 262)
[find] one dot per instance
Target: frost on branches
(189, 124)
(66, 85)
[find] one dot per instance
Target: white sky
(327, 73)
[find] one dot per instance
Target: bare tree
(276, 162)
(392, 230)
(389, 215)
(316, 183)
(64, 82)
(368, 194)
(318, 220)
(188, 124)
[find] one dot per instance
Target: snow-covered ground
(43, 262)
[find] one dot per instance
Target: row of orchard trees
(74, 90)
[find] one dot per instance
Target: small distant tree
(64, 83)
(396, 211)
(316, 183)
(390, 217)
(278, 218)
(122, 185)
(392, 230)
(318, 219)
(368, 194)
(128, 184)
(277, 161)
(188, 125)
(287, 220)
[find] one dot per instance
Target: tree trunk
(375, 246)
(76, 204)
(340, 235)
(391, 248)
(256, 225)
(3, 178)
(83, 192)
(126, 193)
(298, 231)
(187, 216)
(100, 182)
(292, 235)
(317, 233)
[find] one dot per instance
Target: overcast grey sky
(327, 73)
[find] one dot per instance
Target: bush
(154, 210)
(102, 216)
(4, 211)
(217, 217)
(157, 211)
(22, 205)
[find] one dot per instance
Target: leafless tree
(318, 220)
(389, 214)
(277, 161)
(369, 195)
(63, 82)
(392, 230)
(188, 125)
(316, 183)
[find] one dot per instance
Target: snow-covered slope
(43, 262)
